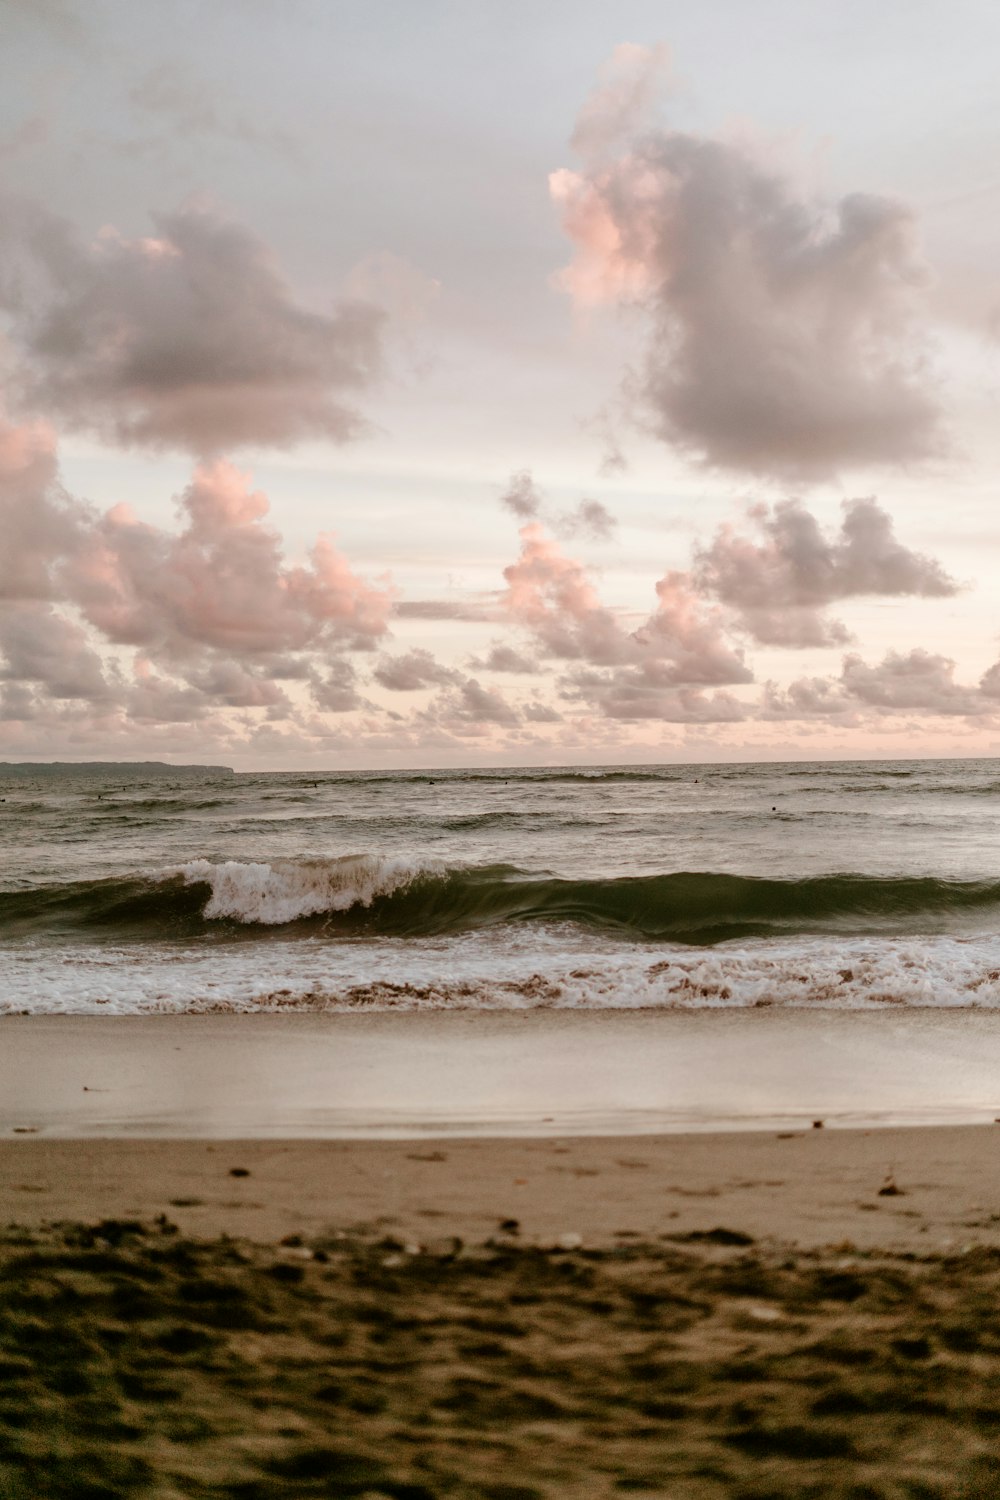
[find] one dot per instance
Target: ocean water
(860, 884)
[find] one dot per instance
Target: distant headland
(107, 767)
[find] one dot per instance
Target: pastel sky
(454, 382)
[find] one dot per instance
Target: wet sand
(536, 1073)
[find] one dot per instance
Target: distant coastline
(101, 767)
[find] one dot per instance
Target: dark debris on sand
(136, 1362)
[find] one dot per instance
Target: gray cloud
(41, 647)
(521, 497)
(590, 519)
(442, 609)
(466, 705)
(783, 329)
(913, 682)
(919, 681)
(412, 670)
(641, 693)
(780, 583)
(537, 712)
(190, 339)
(335, 687)
(502, 658)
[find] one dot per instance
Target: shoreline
(450, 1074)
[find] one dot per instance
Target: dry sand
(811, 1187)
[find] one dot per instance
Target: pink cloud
(221, 581)
(39, 522)
(219, 615)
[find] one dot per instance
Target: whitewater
(852, 885)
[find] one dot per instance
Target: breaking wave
(375, 895)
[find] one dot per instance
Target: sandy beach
(514, 1308)
(752, 1315)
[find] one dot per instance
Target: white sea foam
(285, 890)
(512, 968)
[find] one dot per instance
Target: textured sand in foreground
(138, 1362)
(748, 1316)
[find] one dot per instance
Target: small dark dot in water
(238, 1172)
(817, 1124)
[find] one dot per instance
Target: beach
(752, 1314)
(407, 1300)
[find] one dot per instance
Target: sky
(481, 382)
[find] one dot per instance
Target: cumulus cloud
(503, 658)
(640, 693)
(412, 670)
(781, 580)
(220, 581)
(654, 672)
(913, 682)
(589, 519)
(334, 687)
(630, 87)
(189, 339)
(39, 521)
(784, 335)
(521, 497)
(466, 706)
(917, 681)
(552, 595)
(537, 712)
(42, 649)
(217, 615)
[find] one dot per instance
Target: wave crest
(271, 894)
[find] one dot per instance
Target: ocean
(131, 890)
